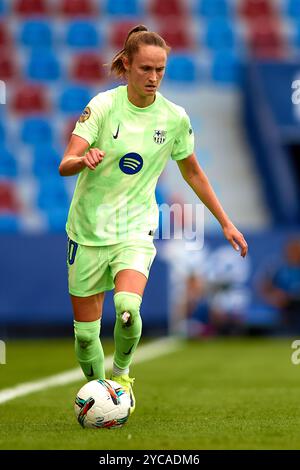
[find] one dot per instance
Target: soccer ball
(102, 404)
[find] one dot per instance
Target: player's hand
(236, 239)
(92, 158)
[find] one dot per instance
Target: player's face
(145, 72)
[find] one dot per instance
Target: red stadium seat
(5, 39)
(8, 198)
(68, 129)
(88, 67)
(252, 9)
(31, 7)
(162, 8)
(119, 33)
(176, 34)
(30, 98)
(266, 40)
(78, 8)
(8, 68)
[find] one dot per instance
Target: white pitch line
(144, 353)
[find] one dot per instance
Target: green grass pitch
(212, 394)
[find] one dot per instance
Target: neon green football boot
(127, 383)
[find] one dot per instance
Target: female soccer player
(120, 145)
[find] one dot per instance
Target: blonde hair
(136, 36)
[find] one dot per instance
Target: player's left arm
(198, 181)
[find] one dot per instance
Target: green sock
(89, 350)
(126, 334)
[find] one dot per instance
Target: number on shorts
(72, 250)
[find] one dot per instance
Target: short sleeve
(184, 143)
(89, 123)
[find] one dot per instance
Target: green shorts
(92, 269)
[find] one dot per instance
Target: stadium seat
(8, 164)
(68, 129)
(9, 202)
(266, 40)
(57, 218)
(181, 68)
(9, 223)
(296, 37)
(8, 66)
(36, 131)
(2, 133)
(36, 33)
(74, 99)
(5, 38)
(123, 8)
(118, 33)
(30, 98)
(31, 7)
(87, 67)
(52, 193)
(46, 160)
(78, 8)
(219, 34)
(3, 9)
(253, 9)
(176, 34)
(43, 65)
(293, 9)
(176, 8)
(212, 8)
(82, 34)
(226, 67)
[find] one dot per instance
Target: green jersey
(116, 201)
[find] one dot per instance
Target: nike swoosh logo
(129, 351)
(92, 372)
(115, 136)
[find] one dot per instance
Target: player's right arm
(76, 157)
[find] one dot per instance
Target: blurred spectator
(228, 294)
(210, 292)
(216, 297)
(186, 260)
(280, 287)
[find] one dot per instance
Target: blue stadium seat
(8, 164)
(123, 8)
(57, 218)
(181, 68)
(293, 8)
(219, 34)
(35, 131)
(9, 223)
(46, 160)
(52, 193)
(226, 67)
(3, 7)
(296, 38)
(43, 65)
(2, 132)
(210, 8)
(74, 99)
(83, 34)
(36, 33)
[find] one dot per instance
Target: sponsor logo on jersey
(159, 136)
(85, 114)
(131, 163)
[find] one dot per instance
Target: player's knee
(127, 302)
(85, 335)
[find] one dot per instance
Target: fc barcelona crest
(159, 136)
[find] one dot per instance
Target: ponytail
(136, 36)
